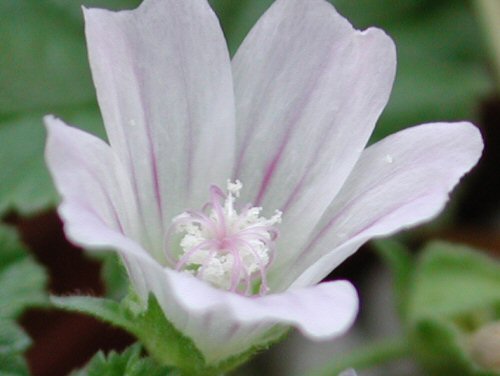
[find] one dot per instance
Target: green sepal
(165, 343)
(104, 309)
(114, 275)
(128, 363)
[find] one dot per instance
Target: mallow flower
(230, 188)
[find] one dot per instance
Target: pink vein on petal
(152, 151)
(293, 123)
(270, 170)
(334, 220)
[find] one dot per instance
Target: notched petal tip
(50, 121)
(473, 136)
(53, 126)
(336, 312)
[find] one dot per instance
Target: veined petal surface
(163, 80)
(308, 90)
(220, 323)
(398, 182)
(87, 174)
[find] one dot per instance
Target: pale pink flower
(287, 119)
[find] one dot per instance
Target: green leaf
(23, 281)
(13, 342)
(13, 365)
(163, 341)
(12, 337)
(452, 280)
(365, 357)
(26, 185)
(128, 363)
(43, 69)
(440, 348)
(104, 309)
(456, 290)
(400, 262)
(43, 62)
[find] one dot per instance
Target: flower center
(229, 249)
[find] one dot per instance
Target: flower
(281, 127)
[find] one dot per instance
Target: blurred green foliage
(449, 294)
(22, 284)
(456, 291)
(44, 69)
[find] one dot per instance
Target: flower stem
(375, 354)
(489, 14)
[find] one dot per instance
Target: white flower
(288, 118)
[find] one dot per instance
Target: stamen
(230, 250)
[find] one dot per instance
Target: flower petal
(399, 182)
(308, 89)
(86, 172)
(223, 324)
(163, 80)
(220, 323)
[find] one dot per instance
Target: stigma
(230, 249)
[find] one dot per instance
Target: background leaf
(451, 280)
(401, 264)
(23, 281)
(13, 342)
(22, 284)
(439, 347)
(43, 69)
(456, 290)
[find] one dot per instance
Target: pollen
(230, 249)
